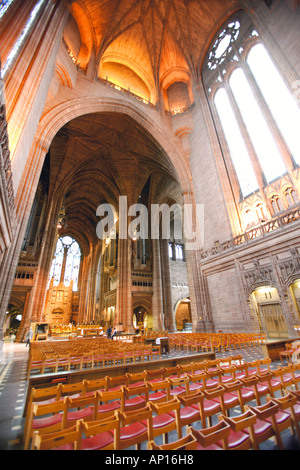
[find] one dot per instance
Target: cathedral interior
(149, 159)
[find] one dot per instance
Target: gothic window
(290, 196)
(4, 6)
(66, 263)
(23, 36)
(179, 252)
(257, 118)
(276, 203)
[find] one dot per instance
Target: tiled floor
(13, 389)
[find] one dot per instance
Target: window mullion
(278, 138)
(261, 179)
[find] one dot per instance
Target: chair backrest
(118, 381)
(171, 371)
(191, 399)
(111, 424)
(130, 417)
(134, 391)
(264, 411)
(136, 377)
(187, 442)
(67, 439)
(40, 394)
(242, 421)
(68, 389)
(159, 386)
(212, 435)
(155, 374)
(95, 385)
(166, 406)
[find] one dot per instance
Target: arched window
(4, 6)
(257, 118)
(23, 36)
(66, 263)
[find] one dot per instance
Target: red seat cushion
(97, 442)
(280, 417)
(162, 420)
(135, 401)
(48, 421)
(112, 406)
(236, 439)
(132, 430)
(157, 396)
(80, 414)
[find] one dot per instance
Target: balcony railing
(259, 231)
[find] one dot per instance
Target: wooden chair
(239, 436)
(116, 383)
(101, 434)
(75, 390)
(44, 396)
(135, 397)
(159, 391)
(135, 428)
(209, 407)
(227, 374)
(287, 353)
(254, 387)
(172, 372)
(166, 419)
(290, 402)
(212, 438)
(285, 375)
(223, 396)
(67, 439)
(187, 442)
(110, 402)
(63, 362)
(83, 407)
(137, 379)
(96, 385)
(197, 381)
(267, 379)
(190, 408)
(262, 430)
(179, 386)
(280, 421)
(157, 375)
(49, 364)
(45, 418)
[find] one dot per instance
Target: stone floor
(13, 390)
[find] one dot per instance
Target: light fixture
(61, 219)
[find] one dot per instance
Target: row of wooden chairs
(220, 385)
(124, 429)
(111, 354)
(216, 342)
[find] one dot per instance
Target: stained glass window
(68, 255)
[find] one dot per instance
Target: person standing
(29, 336)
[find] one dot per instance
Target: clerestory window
(66, 263)
(256, 115)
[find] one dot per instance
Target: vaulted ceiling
(142, 41)
(98, 157)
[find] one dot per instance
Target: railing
(254, 233)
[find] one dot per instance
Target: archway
(266, 303)
(140, 319)
(183, 316)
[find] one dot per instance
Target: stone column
(169, 315)
(124, 312)
(157, 304)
